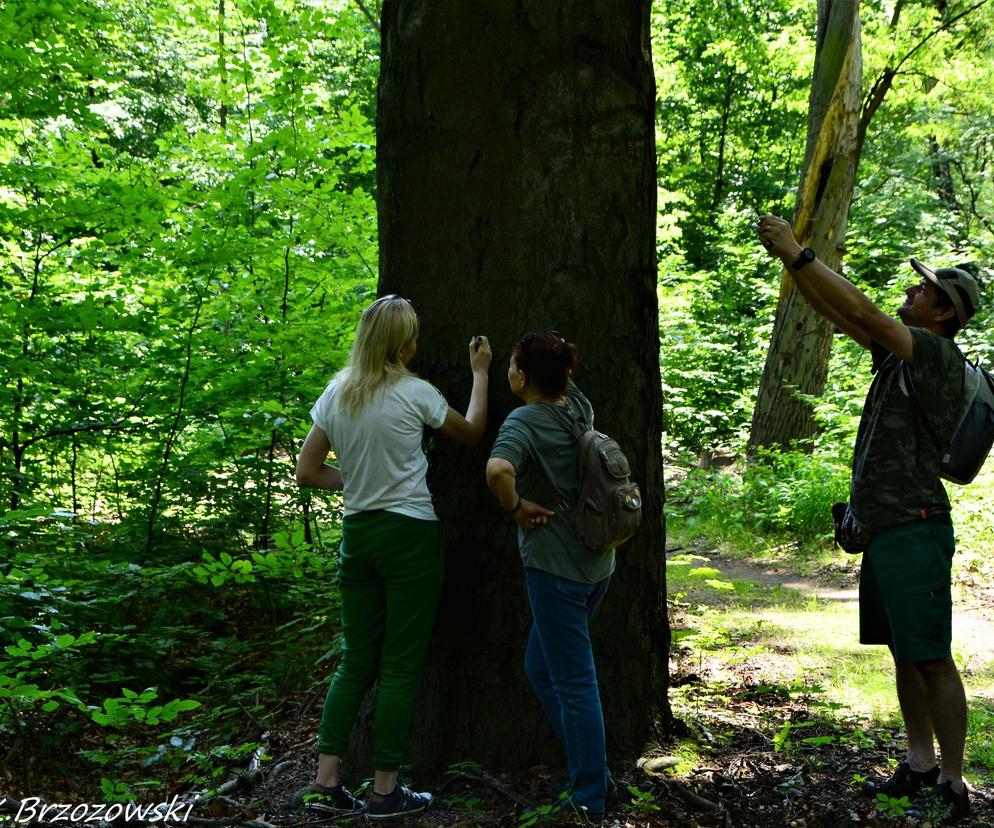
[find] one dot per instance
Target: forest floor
(781, 714)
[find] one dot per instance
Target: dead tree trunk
(797, 359)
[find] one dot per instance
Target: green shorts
(905, 598)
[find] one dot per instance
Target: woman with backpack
(372, 415)
(534, 462)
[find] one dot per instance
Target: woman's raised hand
(479, 353)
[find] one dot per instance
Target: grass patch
(732, 632)
(980, 726)
(786, 636)
(974, 522)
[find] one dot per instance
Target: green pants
(390, 574)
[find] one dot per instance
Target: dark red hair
(546, 359)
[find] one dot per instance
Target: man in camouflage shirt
(897, 499)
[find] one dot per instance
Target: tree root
(690, 797)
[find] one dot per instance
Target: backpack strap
(908, 386)
(580, 425)
(916, 409)
(578, 429)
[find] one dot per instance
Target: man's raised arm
(831, 295)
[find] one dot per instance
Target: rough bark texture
(797, 359)
(517, 181)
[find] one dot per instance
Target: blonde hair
(385, 328)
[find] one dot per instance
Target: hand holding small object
(480, 355)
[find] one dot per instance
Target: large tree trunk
(797, 359)
(516, 182)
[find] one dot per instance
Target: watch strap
(806, 257)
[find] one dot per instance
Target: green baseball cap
(957, 284)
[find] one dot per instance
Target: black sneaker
(399, 803)
(940, 805)
(337, 800)
(904, 782)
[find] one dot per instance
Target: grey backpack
(608, 510)
(961, 460)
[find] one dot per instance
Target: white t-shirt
(379, 451)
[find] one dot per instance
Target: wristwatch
(806, 256)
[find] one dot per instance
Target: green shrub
(132, 664)
(783, 492)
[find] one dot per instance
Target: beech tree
(516, 191)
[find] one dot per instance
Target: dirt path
(973, 621)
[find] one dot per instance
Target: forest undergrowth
(779, 713)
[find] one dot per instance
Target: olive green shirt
(538, 441)
(895, 476)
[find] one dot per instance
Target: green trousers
(390, 575)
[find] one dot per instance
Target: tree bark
(797, 359)
(516, 188)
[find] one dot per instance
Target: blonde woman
(372, 415)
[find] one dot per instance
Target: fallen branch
(241, 780)
(277, 769)
(501, 788)
(243, 822)
(201, 799)
(491, 782)
(337, 819)
(846, 786)
(294, 748)
(235, 805)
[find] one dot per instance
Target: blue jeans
(559, 662)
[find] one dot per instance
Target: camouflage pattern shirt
(895, 475)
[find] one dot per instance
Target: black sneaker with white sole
(337, 800)
(399, 803)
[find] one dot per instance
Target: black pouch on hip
(852, 537)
